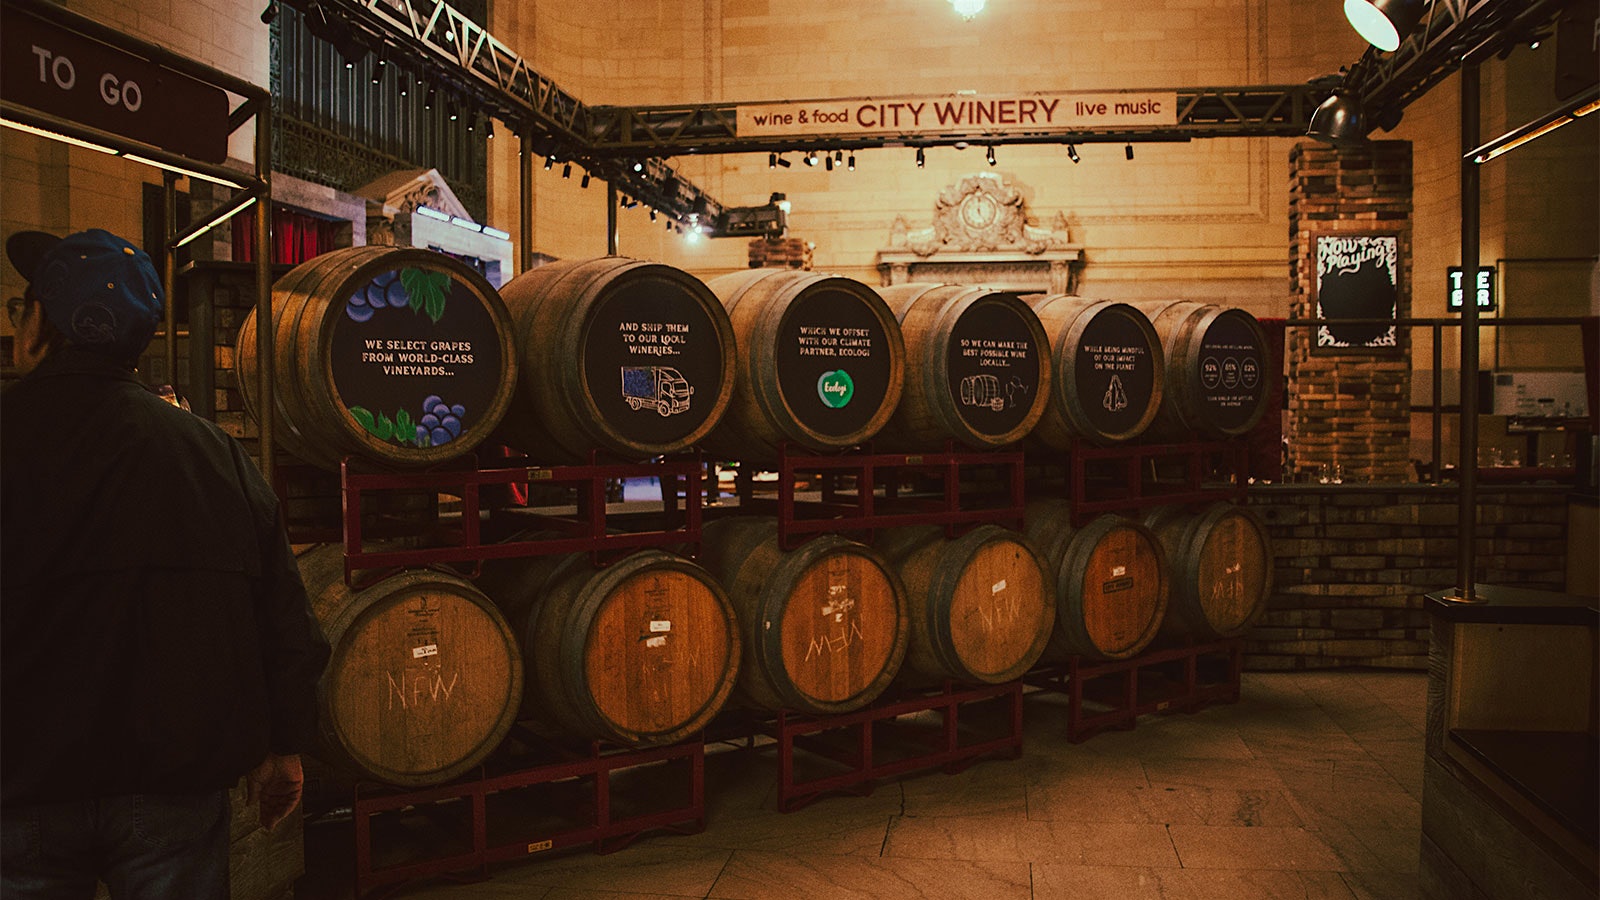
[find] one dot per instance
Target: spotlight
(921, 159)
(1384, 23)
(472, 124)
(1128, 151)
(1072, 153)
(783, 162)
(772, 160)
(1339, 120)
(990, 156)
(270, 13)
(623, 201)
(638, 165)
(829, 161)
(549, 162)
(488, 127)
(852, 164)
(427, 99)
(405, 84)
(811, 157)
(453, 112)
(652, 215)
(838, 156)
(566, 170)
(585, 182)
(377, 71)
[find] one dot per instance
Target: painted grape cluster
(439, 424)
(383, 291)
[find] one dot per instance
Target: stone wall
(1351, 566)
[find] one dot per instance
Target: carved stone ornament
(981, 212)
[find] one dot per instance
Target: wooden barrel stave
(1221, 563)
(579, 323)
(948, 394)
(979, 607)
(642, 652)
(824, 626)
(1111, 582)
(1108, 371)
(425, 677)
(790, 389)
(343, 385)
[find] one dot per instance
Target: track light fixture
(1128, 151)
(772, 160)
(1384, 23)
(811, 157)
(1072, 153)
(838, 156)
(566, 170)
(427, 99)
(990, 155)
(404, 81)
(585, 182)
(783, 163)
(829, 161)
(1338, 120)
(922, 159)
(488, 127)
(652, 214)
(454, 113)
(638, 165)
(472, 124)
(270, 13)
(852, 164)
(549, 162)
(377, 70)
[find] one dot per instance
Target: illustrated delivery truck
(661, 387)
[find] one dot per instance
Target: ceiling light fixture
(1072, 153)
(852, 164)
(990, 155)
(1128, 151)
(968, 8)
(1384, 23)
(585, 182)
(1539, 127)
(811, 157)
(921, 159)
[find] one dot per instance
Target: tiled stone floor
(1309, 787)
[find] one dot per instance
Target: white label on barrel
(1118, 571)
(659, 625)
(998, 586)
(424, 650)
(658, 641)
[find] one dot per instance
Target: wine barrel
(631, 358)
(1109, 372)
(824, 625)
(1110, 580)
(1221, 564)
(640, 653)
(820, 362)
(977, 363)
(980, 609)
(425, 676)
(1216, 366)
(401, 356)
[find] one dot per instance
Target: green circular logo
(835, 388)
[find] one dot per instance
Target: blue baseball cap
(97, 289)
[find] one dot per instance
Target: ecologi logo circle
(835, 388)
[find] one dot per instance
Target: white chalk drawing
(413, 688)
(837, 642)
(1116, 396)
(661, 388)
(982, 390)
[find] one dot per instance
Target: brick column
(1350, 410)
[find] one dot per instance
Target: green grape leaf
(425, 291)
(403, 426)
(385, 429)
(364, 418)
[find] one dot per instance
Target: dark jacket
(154, 632)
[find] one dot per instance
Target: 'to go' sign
(49, 68)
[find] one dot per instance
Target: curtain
(296, 237)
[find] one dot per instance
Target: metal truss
(1456, 32)
(1207, 112)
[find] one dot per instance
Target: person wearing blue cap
(156, 642)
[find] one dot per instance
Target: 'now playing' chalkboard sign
(1358, 278)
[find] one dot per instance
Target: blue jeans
(143, 846)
